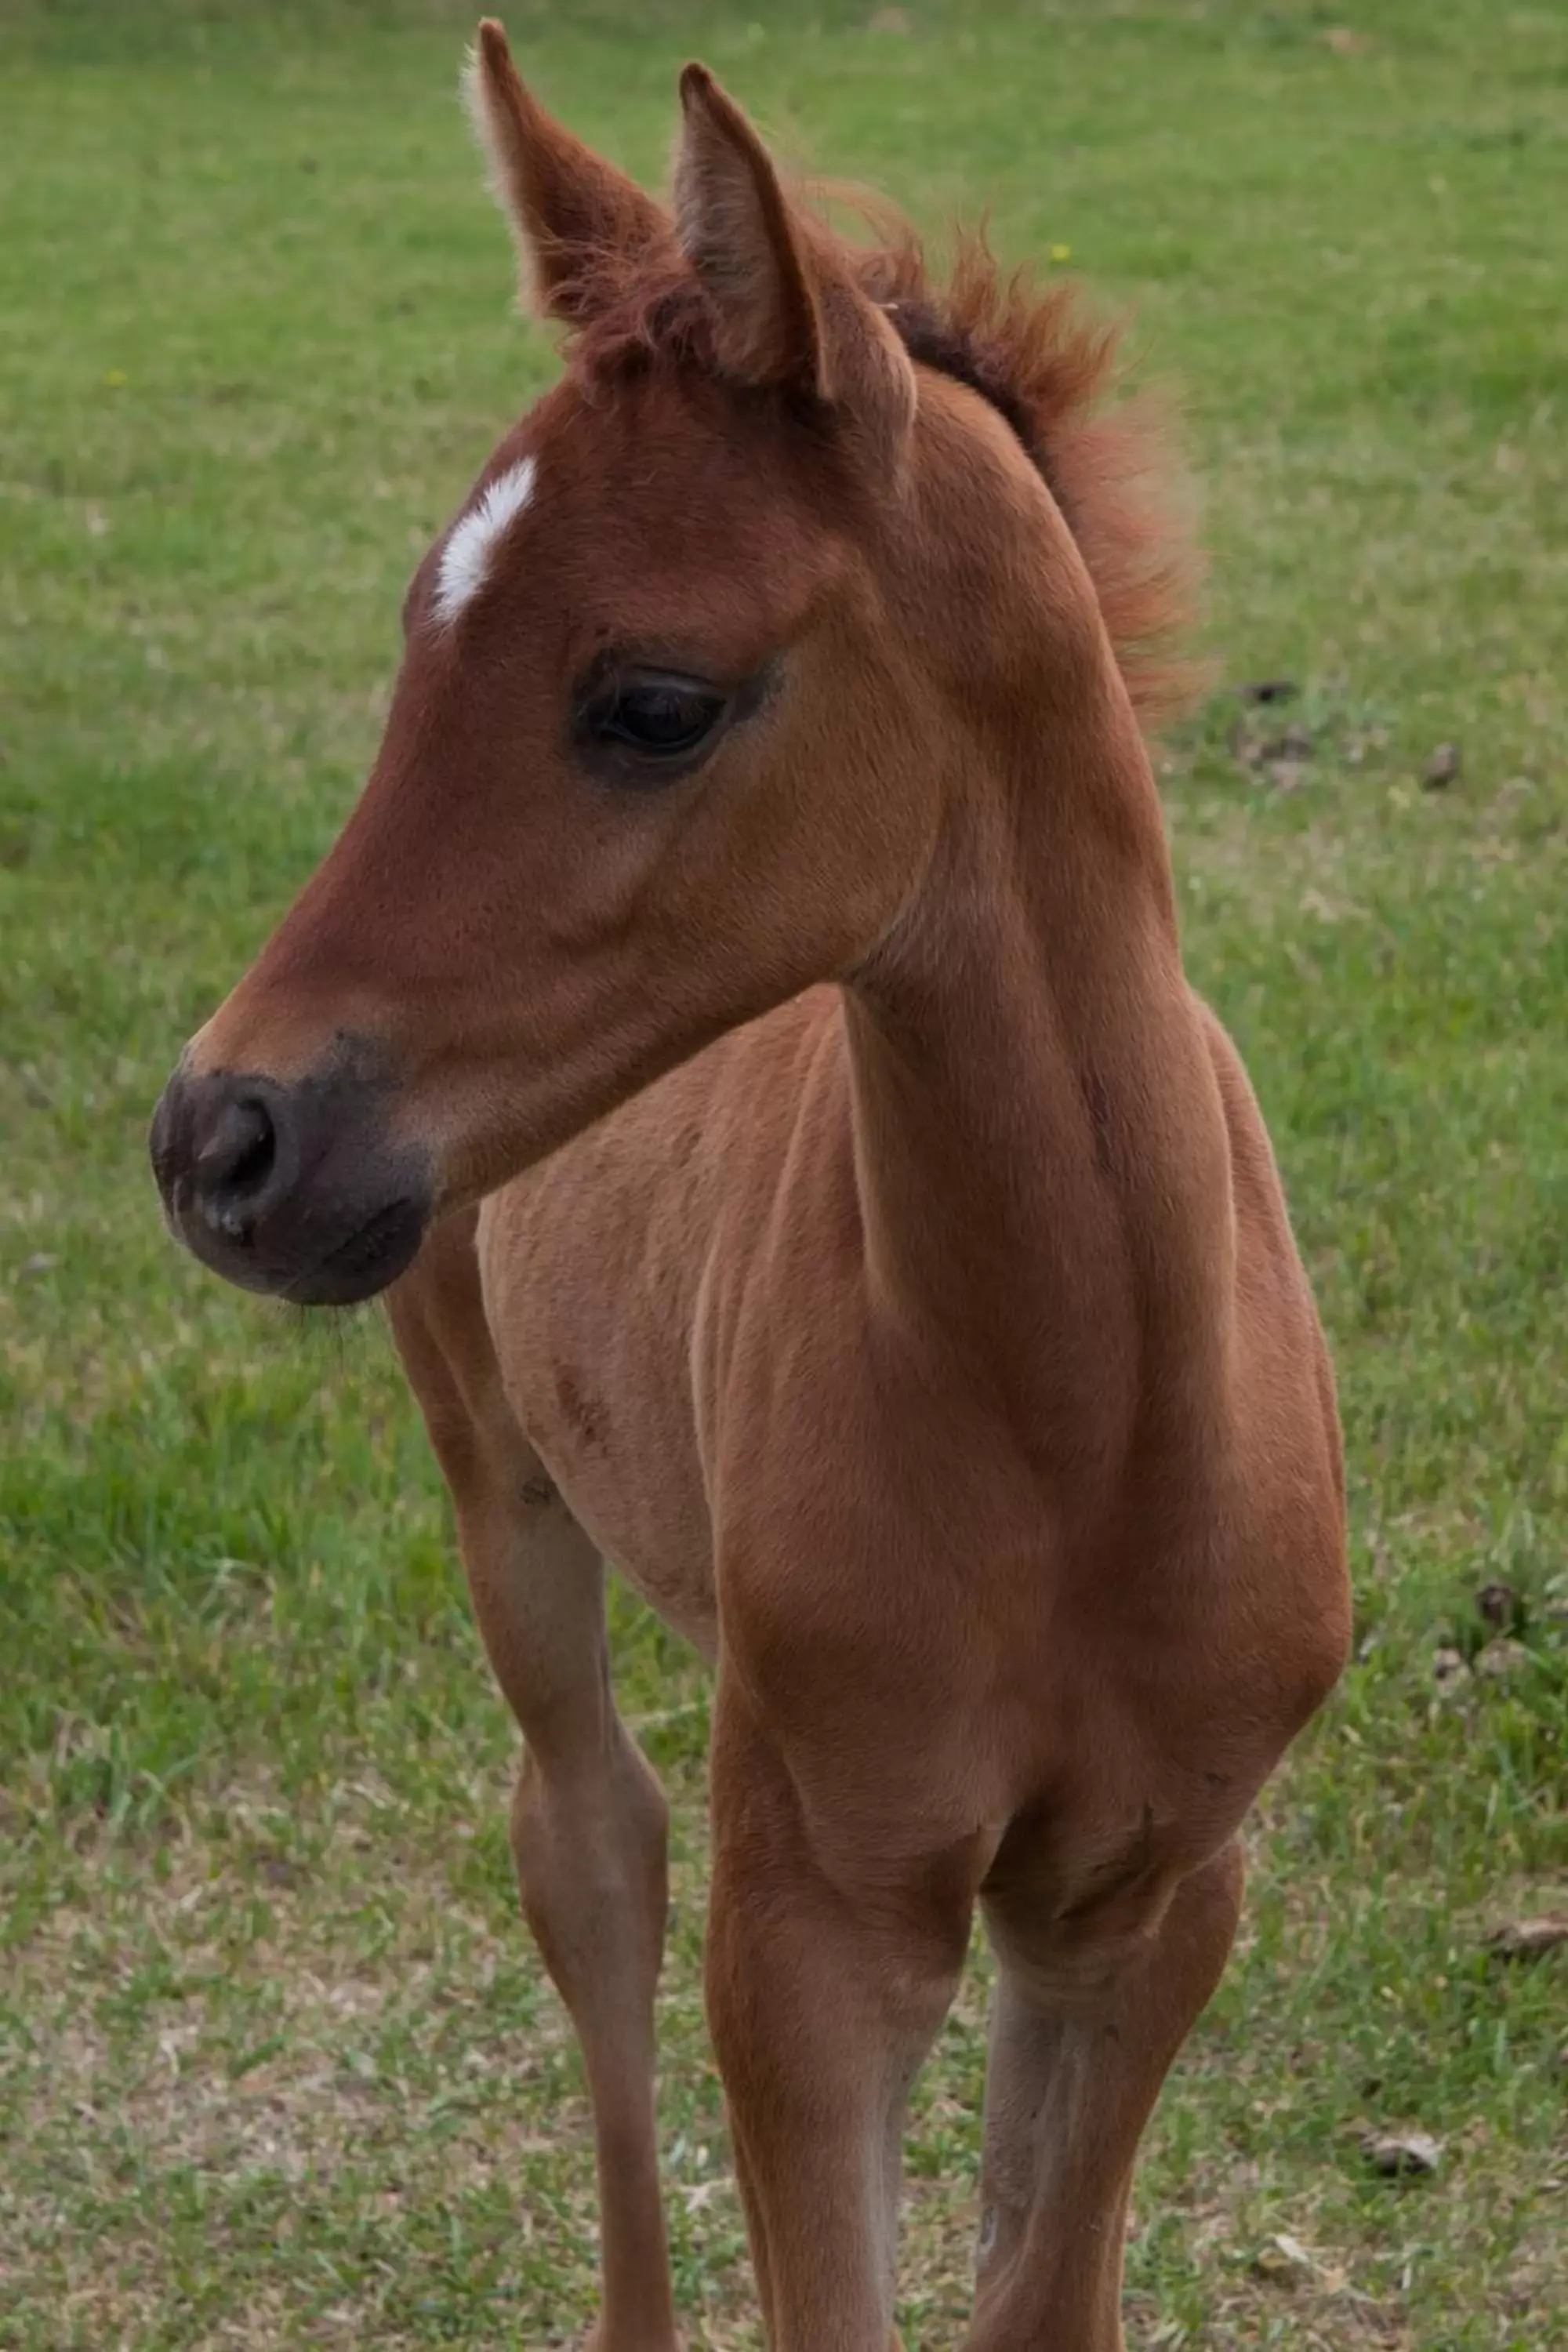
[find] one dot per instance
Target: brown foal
(743, 1029)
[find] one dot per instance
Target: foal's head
(686, 693)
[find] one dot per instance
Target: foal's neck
(1039, 1147)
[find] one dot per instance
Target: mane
(1047, 365)
(1053, 370)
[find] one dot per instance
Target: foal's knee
(590, 1846)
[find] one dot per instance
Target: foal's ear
(787, 313)
(565, 205)
(734, 226)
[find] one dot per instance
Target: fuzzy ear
(565, 204)
(787, 314)
(733, 224)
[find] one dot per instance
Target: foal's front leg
(588, 1818)
(1080, 2042)
(824, 1992)
(588, 1838)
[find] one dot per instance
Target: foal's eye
(661, 718)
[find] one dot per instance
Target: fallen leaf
(1499, 1604)
(1527, 1939)
(1284, 2260)
(1281, 759)
(1396, 2153)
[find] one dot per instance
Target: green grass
(278, 2065)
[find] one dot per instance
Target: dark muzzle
(295, 1188)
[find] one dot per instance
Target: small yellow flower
(114, 378)
(1061, 253)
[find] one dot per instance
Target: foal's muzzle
(293, 1189)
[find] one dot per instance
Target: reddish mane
(1035, 352)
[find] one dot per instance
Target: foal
(743, 1029)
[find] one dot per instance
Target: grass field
(278, 2065)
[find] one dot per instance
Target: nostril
(251, 1142)
(235, 1165)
